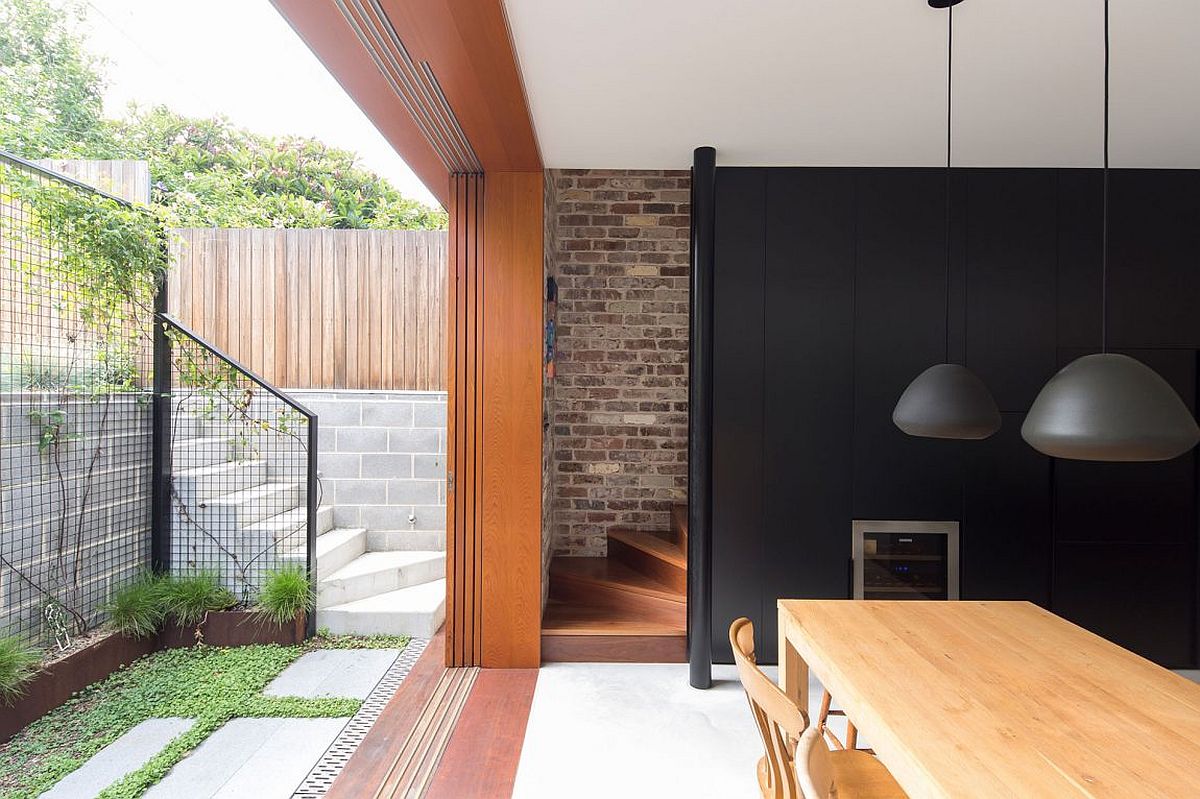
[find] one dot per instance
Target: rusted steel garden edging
(233, 628)
(62, 679)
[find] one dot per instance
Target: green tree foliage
(206, 172)
(50, 86)
(213, 174)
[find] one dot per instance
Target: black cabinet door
(1010, 266)
(899, 331)
(1006, 535)
(809, 374)
(738, 385)
(1154, 249)
(1141, 596)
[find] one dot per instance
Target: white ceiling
(640, 83)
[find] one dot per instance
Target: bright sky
(238, 58)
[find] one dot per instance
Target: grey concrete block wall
(74, 519)
(382, 457)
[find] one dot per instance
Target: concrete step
(418, 611)
(244, 508)
(209, 482)
(291, 523)
(191, 453)
(339, 547)
(377, 573)
(405, 540)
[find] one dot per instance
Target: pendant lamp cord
(949, 133)
(1104, 244)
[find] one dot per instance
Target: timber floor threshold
(447, 734)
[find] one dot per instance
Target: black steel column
(311, 527)
(704, 173)
(160, 492)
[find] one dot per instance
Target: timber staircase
(629, 607)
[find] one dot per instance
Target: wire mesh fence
(242, 458)
(76, 321)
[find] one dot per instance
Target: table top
(986, 699)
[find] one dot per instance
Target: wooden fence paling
(352, 309)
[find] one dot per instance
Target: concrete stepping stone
(346, 673)
(125, 755)
(259, 758)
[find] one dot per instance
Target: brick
(429, 414)
(387, 466)
(338, 465)
(360, 492)
(412, 492)
(417, 440)
(616, 444)
(387, 414)
(362, 439)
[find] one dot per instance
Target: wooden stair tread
(610, 573)
(563, 618)
(652, 544)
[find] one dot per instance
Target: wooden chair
(797, 763)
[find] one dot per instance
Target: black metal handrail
(162, 445)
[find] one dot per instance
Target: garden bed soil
(63, 676)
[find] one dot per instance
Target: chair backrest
(814, 771)
(780, 722)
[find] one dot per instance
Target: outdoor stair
(630, 606)
(375, 573)
(366, 583)
(417, 610)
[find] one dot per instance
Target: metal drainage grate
(327, 769)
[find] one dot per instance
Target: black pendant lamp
(947, 400)
(1109, 407)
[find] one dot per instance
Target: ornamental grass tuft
(19, 662)
(189, 598)
(285, 595)
(137, 609)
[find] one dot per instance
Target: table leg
(793, 671)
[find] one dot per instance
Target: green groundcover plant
(208, 684)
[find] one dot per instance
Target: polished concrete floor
(611, 730)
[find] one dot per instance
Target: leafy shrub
(188, 599)
(286, 593)
(19, 662)
(138, 608)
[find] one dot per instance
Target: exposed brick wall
(620, 399)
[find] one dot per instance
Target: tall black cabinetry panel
(1010, 247)
(899, 330)
(809, 374)
(1006, 535)
(1125, 539)
(1010, 265)
(1154, 258)
(738, 527)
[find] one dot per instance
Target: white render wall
(382, 459)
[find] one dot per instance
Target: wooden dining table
(995, 699)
